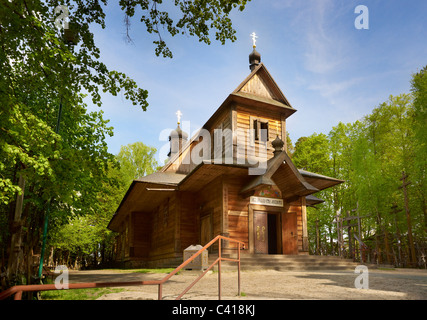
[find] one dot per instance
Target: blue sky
(329, 70)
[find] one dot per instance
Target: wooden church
(225, 192)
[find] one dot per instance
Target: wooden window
(264, 131)
(260, 129)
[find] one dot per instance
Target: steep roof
(257, 90)
(150, 190)
(281, 162)
(260, 83)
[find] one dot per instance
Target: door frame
(267, 210)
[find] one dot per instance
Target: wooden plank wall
(210, 200)
(259, 87)
(162, 233)
(190, 220)
(245, 117)
(238, 227)
(238, 215)
(297, 209)
(140, 239)
(238, 118)
(222, 121)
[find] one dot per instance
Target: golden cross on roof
(254, 37)
(178, 115)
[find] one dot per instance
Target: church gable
(256, 85)
(261, 84)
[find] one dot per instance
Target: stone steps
(286, 262)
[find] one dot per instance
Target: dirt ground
(397, 284)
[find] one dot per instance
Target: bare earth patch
(395, 284)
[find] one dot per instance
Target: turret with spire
(177, 137)
(255, 56)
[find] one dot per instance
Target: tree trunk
(16, 256)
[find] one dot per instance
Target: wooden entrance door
(289, 233)
(261, 232)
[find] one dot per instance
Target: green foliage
(136, 160)
(196, 18)
(310, 153)
(63, 156)
(86, 237)
(370, 156)
(419, 90)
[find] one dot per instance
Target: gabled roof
(259, 90)
(279, 168)
(260, 83)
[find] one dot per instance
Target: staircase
(287, 262)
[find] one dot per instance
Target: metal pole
(46, 221)
(159, 293)
(219, 270)
(238, 272)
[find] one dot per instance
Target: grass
(78, 294)
(94, 293)
(160, 270)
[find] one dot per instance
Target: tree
(370, 155)
(85, 237)
(289, 146)
(43, 71)
(313, 154)
(39, 70)
(136, 160)
(419, 91)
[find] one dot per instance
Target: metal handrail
(18, 290)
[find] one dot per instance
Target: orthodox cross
(254, 37)
(178, 115)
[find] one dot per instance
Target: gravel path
(398, 284)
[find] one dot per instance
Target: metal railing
(18, 290)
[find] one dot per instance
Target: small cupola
(254, 60)
(255, 56)
(177, 138)
(277, 145)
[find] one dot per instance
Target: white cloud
(318, 24)
(332, 90)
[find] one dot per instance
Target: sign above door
(266, 201)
